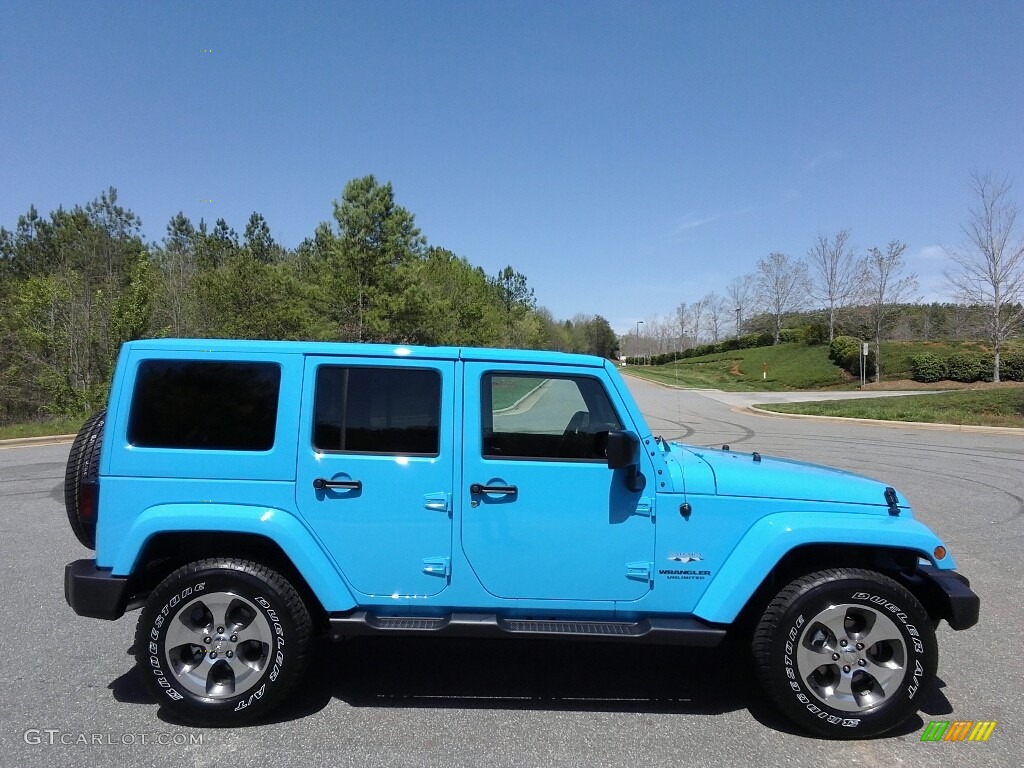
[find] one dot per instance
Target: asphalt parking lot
(67, 680)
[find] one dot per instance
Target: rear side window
(217, 406)
(378, 410)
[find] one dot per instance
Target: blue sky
(625, 156)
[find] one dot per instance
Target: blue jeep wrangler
(248, 495)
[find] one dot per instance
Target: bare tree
(989, 270)
(718, 314)
(886, 289)
(682, 322)
(740, 292)
(837, 275)
(781, 287)
(698, 311)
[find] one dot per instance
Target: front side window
(377, 410)
(545, 417)
(205, 405)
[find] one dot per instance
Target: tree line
(834, 290)
(77, 284)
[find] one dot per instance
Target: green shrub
(791, 336)
(844, 351)
(965, 367)
(1011, 366)
(927, 367)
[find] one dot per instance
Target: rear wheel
(223, 641)
(846, 653)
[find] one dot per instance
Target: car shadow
(527, 675)
(544, 675)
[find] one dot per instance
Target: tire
(223, 641)
(846, 653)
(83, 468)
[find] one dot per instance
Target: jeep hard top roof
(353, 349)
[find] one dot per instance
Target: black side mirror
(624, 451)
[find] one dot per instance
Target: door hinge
(645, 507)
(438, 502)
(640, 571)
(436, 566)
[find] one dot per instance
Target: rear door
(375, 470)
(543, 516)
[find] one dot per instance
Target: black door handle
(321, 484)
(476, 489)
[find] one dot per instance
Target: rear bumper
(94, 592)
(946, 595)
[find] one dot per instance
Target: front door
(543, 516)
(375, 470)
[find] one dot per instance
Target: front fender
(277, 525)
(773, 536)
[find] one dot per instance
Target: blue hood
(737, 474)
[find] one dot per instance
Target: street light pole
(638, 324)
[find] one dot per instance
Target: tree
(697, 312)
(372, 297)
(740, 292)
(837, 275)
(516, 300)
(258, 241)
(989, 270)
(781, 288)
(682, 323)
(178, 267)
(717, 315)
(886, 288)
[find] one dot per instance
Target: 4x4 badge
(685, 557)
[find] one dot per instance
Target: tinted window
(539, 417)
(378, 410)
(205, 405)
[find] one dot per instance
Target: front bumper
(94, 592)
(945, 595)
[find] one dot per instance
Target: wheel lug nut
(213, 655)
(835, 657)
(231, 654)
(845, 669)
(220, 630)
(862, 663)
(234, 638)
(842, 643)
(207, 639)
(860, 646)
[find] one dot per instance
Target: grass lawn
(990, 408)
(790, 366)
(509, 390)
(62, 426)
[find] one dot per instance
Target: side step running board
(656, 630)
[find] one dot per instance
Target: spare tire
(81, 478)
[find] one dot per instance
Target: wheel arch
(782, 546)
(168, 536)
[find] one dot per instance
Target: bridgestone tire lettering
(284, 613)
(781, 631)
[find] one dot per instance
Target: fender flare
(277, 525)
(774, 536)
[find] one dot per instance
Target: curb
(976, 428)
(28, 442)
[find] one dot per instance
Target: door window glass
(545, 417)
(377, 410)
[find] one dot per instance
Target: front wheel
(846, 653)
(222, 641)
